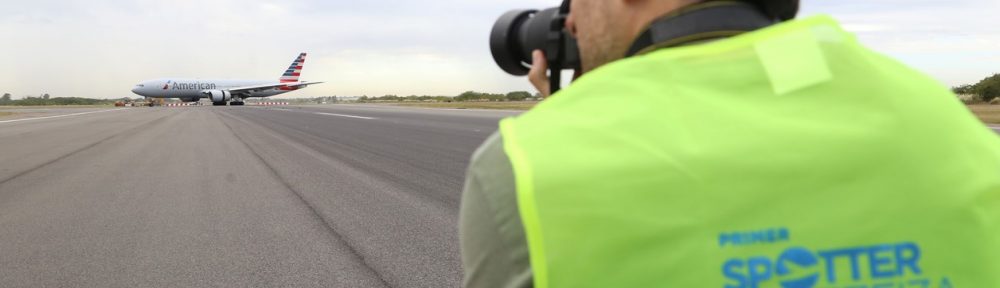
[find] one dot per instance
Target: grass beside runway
(5, 114)
(990, 114)
(468, 105)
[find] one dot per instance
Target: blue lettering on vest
(885, 265)
(760, 270)
(732, 270)
(745, 238)
(793, 259)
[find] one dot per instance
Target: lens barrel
(519, 32)
(505, 42)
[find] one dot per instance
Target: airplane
(222, 91)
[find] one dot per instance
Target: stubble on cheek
(597, 41)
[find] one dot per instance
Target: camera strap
(700, 22)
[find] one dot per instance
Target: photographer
(722, 144)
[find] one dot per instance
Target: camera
(516, 34)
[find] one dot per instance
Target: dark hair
(778, 9)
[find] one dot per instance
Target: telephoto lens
(519, 32)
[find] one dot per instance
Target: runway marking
(344, 115)
(58, 116)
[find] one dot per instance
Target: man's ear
(571, 24)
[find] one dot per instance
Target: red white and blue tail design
(293, 72)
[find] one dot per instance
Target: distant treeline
(987, 90)
(44, 100)
(468, 96)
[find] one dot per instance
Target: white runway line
(58, 116)
(348, 116)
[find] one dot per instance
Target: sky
(101, 48)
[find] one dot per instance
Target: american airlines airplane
(222, 91)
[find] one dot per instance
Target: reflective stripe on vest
(787, 157)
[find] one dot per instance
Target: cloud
(868, 28)
(936, 37)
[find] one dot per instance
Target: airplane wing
(265, 87)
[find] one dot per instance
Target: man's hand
(538, 73)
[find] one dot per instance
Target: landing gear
(218, 103)
(237, 101)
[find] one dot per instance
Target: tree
(478, 96)
(5, 99)
(46, 96)
(518, 96)
(989, 88)
(468, 95)
(964, 89)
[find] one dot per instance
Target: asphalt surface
(325, 196)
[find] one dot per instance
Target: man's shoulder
(491, 169)
(495, 251)
(489, 151)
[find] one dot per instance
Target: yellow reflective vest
(788, 157)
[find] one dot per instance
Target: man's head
(605, 29)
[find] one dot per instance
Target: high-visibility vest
(787, 157)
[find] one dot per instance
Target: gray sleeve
(494, 248)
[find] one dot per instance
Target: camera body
(520, 32)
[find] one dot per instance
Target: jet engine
(218, 96)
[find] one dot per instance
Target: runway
(314, 196)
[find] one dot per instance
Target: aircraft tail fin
(293, 71)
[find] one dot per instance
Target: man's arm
(494, 248)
